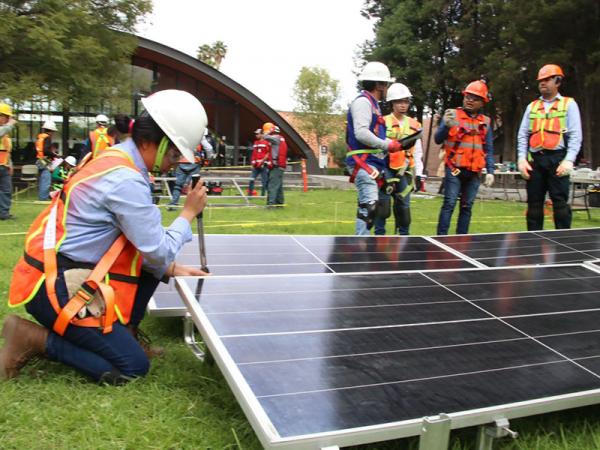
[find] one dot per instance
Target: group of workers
(383, 152)
(96, 253)
(269, 160)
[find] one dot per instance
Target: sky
(268, 41)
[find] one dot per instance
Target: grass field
(183, 404)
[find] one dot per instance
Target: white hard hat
(49, 125)
(101, 118)
(70, 160)
(258, 131)
(397, 91)
(181, 116)
(276, 129)
(376, 71)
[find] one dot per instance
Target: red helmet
(478, 88)
(550, 70)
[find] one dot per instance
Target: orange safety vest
(39, 145)
(115, 275)
(5, 148)
(465, 141)
(100, 140)
(547, 128)
(397, 130)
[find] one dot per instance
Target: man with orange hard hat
(548, 141)
(468, 145)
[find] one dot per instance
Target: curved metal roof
(232, 109)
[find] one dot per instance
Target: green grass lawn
(185, 404)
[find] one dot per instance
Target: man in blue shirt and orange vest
(368, 147)
(6, 169)
(45, 155)
(548, 141)
(468, 144)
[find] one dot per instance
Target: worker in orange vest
(99, 138)
(468, 144)
(45, 155)
(548, 142)
(95, 255)
(6, 169)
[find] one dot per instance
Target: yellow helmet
(6, 109)
(268, 127)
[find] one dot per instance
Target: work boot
(151, 351)
(23, 340)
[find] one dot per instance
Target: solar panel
(533, 247)
(344, 359)
(283, 254)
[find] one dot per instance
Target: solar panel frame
(270, 438)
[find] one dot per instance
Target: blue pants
(44, 184)
(465, 185)
(183, 176)
(87, 349)
(5, 192)
(368, 192)
(264, 179)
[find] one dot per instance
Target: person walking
(368, 147)
(468, 144)
(405, 165)
(6, 168)
(45, 155)
(548, 142)
(95, 255)
(261, 161)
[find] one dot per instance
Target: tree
(72, 52)
(316, 95)
(212, 54)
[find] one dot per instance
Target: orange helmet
(549, 70)
(478, 88)
(268, 127)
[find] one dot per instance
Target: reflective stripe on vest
(39, 145)
(44, 238)
(397, 130)
(546, 129)
(5, 148)
(377, 127)
(464, 145)
(100, 140)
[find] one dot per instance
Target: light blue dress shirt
(573, 134)
(100, 209)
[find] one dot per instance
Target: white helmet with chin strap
(376, 71)
(101, 118)
(397, 91)
(181, 117)
(49, 125)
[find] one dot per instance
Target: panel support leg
(189, 336)
(487, 433)
(435, 433)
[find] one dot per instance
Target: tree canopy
(437, 46)
(316, 94)
(212, 54)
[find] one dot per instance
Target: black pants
(544, 179)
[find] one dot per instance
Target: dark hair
(145, 129)
(122, 122)
(368, 85)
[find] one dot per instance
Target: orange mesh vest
(464, 144)
(115, 275)
(39, 145)
(100, 140)
(5, 148)
(547, 128)
(398, 130)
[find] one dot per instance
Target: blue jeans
(44, 184)
(264, 179)
(401, 207)
(465, 185)
(5, 192)
(87, 349)
(368, 192)
(183, 176)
